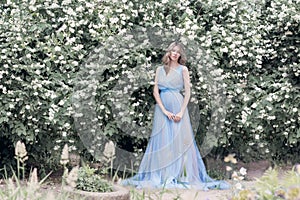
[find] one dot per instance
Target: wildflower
(243, 171)
(234, 175)
(230, 158)
(238, 186)
(33, 180)
(293, 193)
(65, 155)
(228, 168)
(33, 177)
(109, 149)
(20, 151)
(72, 177)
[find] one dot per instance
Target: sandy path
(255, 170)
(190, 194)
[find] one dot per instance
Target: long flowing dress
(172, 158)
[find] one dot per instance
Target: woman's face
(175, 54)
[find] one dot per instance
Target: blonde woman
(172, 158)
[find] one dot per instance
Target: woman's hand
(170, 115)
(178, 117)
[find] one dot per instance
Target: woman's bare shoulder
(159, 68)
(184, 68)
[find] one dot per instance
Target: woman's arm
(157, 97)
(187, 93)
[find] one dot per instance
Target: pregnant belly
(172, 101)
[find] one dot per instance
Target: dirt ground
(254, 170)
(190, 194)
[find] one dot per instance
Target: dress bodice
(171, 81)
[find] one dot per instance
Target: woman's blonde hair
(181, 60)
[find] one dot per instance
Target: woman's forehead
(176, 48)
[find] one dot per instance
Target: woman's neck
(173, 64)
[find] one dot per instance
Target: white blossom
(228, 168)
(109, 149)
(102, 107)
(33, 180)
(64, 159)
(70, 11)
(230, 158)
(189, 11)
(57, 48)
(66, 2)
(254, 105)
(243, 171)
(72, 177)
(238, 186)
(20, 151)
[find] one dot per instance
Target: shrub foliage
(253, 49)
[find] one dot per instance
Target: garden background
(253, 49)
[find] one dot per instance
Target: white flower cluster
(237, 52)
(20, 152)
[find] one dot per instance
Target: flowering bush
(264, 114)
(40, 55)
(245, 51)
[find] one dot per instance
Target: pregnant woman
(172, 158)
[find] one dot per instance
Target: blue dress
(172, 158)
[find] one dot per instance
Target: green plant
(15, 188)
(89, 181)
(270, 187)
(217, 174)
(21, 157)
